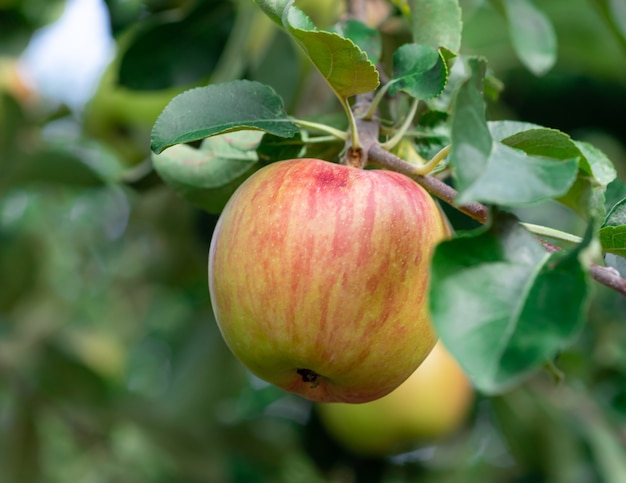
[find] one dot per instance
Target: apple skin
(318, 275)
(432, 403)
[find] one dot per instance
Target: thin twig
(431, 184)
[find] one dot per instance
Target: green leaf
(273, 148)
(53, 166)
(532, 35)
(274, 9)
(586, 195)
(615, 191)
(418, 70)
(65, 377)
(20, 443)
(504, 129)
(502, 305)
(368, 39)
(546, 142)
(208, 176)
(436, 23)
(19, 263)
(596, 163)
(220, 108)
(12, 120)
(606, 444)
(494, 172)
(153, 61)
(341, 62)
(613, 230)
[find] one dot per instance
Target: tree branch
(374, 153)
(431, 184)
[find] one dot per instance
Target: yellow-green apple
(430, 404)
(318, 275)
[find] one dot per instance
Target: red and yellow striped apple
(318, 276)
(431, 404)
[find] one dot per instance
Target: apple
(318, 275)
(432, 403)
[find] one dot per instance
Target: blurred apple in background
(433, 403)
(14, 81)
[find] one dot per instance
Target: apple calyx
(309, 376)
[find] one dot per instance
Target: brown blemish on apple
(309, 376)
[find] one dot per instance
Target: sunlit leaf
(220, 108)
(502, 305)
(341, 62)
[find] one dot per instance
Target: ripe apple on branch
(326, 274)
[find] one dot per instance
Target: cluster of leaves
(498, 336)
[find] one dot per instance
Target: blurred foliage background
(111, 366)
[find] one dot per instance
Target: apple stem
(354, 154)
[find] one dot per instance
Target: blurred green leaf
(436, 23)
(18, 264)
(613, 231)
(493, 172)
(418, 70)
(20, 446)
(12, 121)
(532, 35)
(607, 447)
(64, 377)
(502, 305)
(55, 166)
(153, 59)
(221, 108)
(614, 12)
(208, 176)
